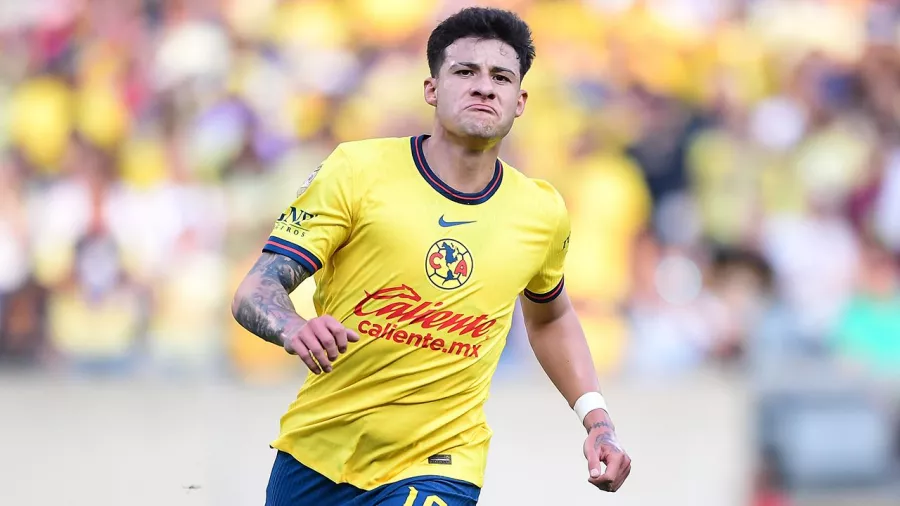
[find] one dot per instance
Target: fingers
(300, 349)
(348, 334)
(615, 485)
(624, 476)
(618, 467)
(316, 336)
(340, 334)
(333, 338)
(614, 464)
(320, 341)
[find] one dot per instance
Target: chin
(484, 134)
(484, 131)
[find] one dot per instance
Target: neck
(466, 167)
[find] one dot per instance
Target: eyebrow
(476, 66)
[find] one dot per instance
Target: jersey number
(431, 500)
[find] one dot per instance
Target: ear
(431, 91)
(520, 103)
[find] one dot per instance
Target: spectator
(868, 332)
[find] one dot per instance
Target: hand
(601, 446)
(318, 342)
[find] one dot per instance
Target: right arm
(323, 212)
(262, 305)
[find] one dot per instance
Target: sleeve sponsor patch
(309, 180)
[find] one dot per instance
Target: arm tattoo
(264, 307)
(606, 438)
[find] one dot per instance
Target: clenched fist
(601, 446)
(319, 341)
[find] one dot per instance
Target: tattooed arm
(262, 306)
(559, 345)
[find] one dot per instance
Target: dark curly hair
(482, 23)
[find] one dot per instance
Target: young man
(420, 247)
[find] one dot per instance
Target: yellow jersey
(428, 277)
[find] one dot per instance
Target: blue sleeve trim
(296, 253)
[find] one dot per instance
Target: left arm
(558, 341)
(560, 347)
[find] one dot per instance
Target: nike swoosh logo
(444, 223)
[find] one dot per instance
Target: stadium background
(732, 170)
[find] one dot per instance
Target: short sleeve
(319, 220)
(547, 284)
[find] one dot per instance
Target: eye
(503, 78)
(464, 72)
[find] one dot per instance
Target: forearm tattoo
(605, 437)
(265, 308)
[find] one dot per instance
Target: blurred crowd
(732, 169)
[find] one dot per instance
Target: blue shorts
(293, 484)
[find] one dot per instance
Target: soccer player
(420, 247)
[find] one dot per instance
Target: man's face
(477, 93)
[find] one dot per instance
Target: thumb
(352, 336)
(593, 461)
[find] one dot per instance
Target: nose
(483, 87)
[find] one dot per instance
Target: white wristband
(589, 402)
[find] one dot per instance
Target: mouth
(482, 108)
